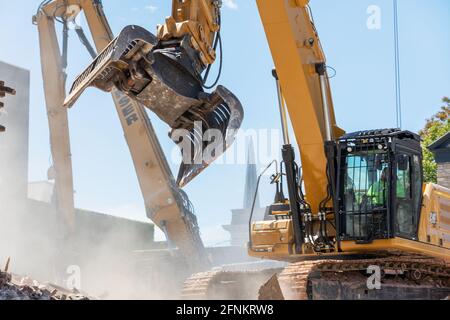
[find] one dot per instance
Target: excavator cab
(379, 185)
(376, 179)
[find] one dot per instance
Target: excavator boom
(166, 204)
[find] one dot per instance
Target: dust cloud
(101, 258)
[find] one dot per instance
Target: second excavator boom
(165, 203)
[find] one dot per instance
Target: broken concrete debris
(23, 288)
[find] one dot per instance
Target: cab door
(407, 191)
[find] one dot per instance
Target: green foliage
(435, 128)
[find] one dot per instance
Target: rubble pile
(24, 288)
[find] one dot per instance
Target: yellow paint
(434, 225)
(296, 48)
(399, 244)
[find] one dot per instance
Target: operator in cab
(377, 191)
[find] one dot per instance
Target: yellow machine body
(295, 47)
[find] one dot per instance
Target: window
(403, 184)
(366, 183)
(418, 184)
(366, 193)
(408, 196)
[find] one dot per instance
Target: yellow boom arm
(297, 54)
(197, 18)
(167, 206)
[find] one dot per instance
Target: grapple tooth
(218, 128)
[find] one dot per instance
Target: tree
(435, 128)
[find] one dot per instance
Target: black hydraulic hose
(217, 43)
(42, 5)
(65, 48)
(323, 203)
(309, 228)
(300, 196)
(323, 210)
(219, 39)
(84, 40)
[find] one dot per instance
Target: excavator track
(225, 285)
(196, 287)
(293, 281)
(403, 277)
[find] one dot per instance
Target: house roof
(443, 143)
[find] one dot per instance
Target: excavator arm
(166, 205)
(304, 91)
(165, 74)
(301, 67)
(54, 79)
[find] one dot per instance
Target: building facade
(14, 141)
(441, 151)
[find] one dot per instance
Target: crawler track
(403, 277)
(224, 285)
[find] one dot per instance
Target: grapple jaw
(208, 133)
(163, 76)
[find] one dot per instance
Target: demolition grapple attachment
(163, 76)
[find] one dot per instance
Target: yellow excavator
(358, 204)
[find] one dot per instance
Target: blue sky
(363, 91)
